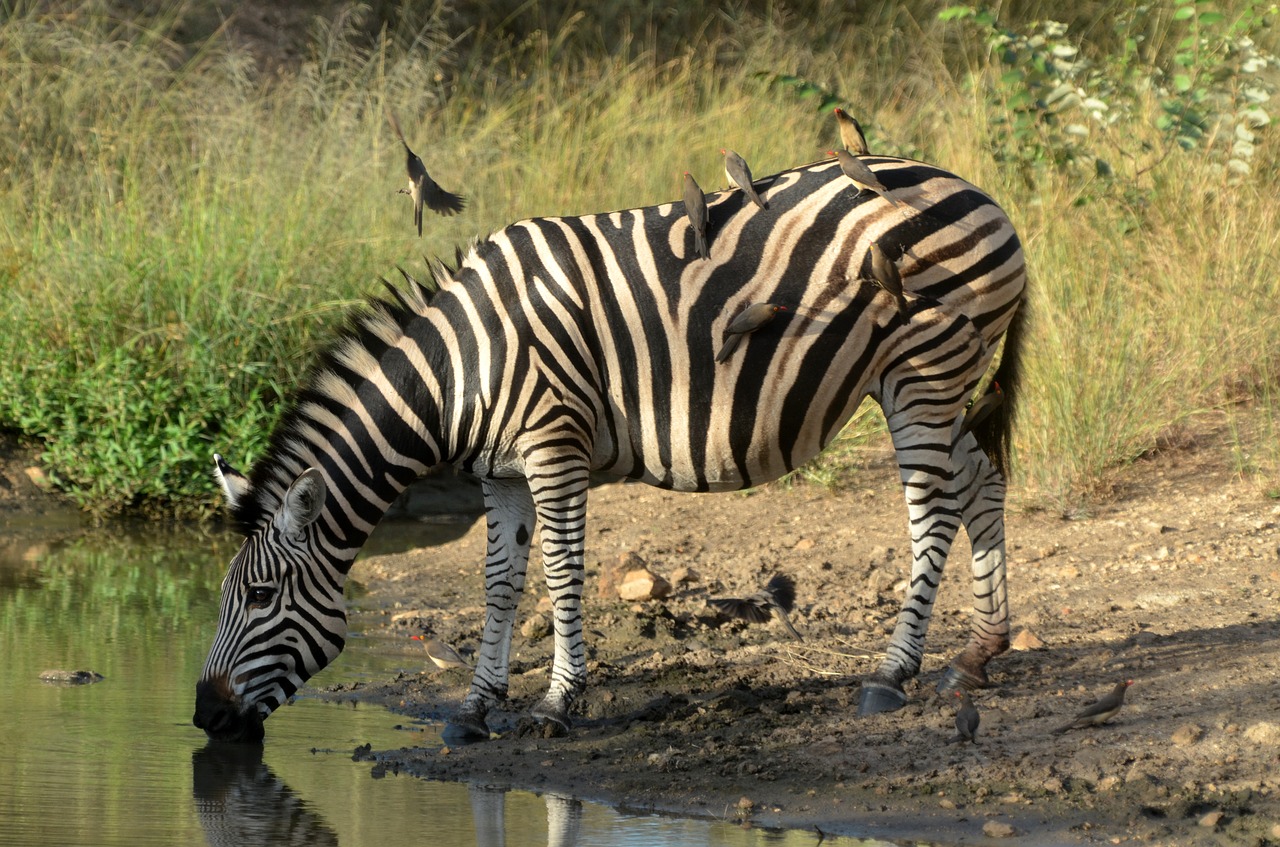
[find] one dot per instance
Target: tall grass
(178, 231)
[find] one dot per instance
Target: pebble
(1263, 733)
(1211, 820)
(643, 584)
(998, 829)
(1187, 734)
(537, 627)
(946, 803)
(1026, 640)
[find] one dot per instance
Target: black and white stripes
(559, 347)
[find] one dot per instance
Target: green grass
(178, 232)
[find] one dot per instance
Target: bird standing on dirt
(442, 655)
(1101, 711)
(746, 322)
(851, 133)
(777, 598)
(695, 206)
(422, 188)
(884, 272)
(979, 410)
(739, 174)
(967, 719)
(862, 176)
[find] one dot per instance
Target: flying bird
(851, 133)
(695, 206)
(739, 174)
(422, 188)
(862, 176)
(1101, 711)
(967, 719)
(777, 598)
(979, 410)
(442, 655)
(746, 322)
(885, 273)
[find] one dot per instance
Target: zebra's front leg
(510, 517)
(982, 509)
(561, 498)
(924, 459)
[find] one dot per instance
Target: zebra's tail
(995, 434)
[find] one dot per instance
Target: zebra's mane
(348, 357)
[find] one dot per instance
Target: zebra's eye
(260, 595)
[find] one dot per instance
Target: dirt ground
(1172, 583)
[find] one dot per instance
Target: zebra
(558, 347)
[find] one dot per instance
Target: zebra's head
(282, 616)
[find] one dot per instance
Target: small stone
(1264, 733)
(1275, 831)
(804, 544)
(1026, 640)
(1053, 785)
(946, 803)
(537, 627)
(998, 829)
(613, 574)
(544, 604)
(1187, 734)
(1108, 782)
(643, 584)
(683, 575)
(1211, 820)
(37, 476)
(745, 805)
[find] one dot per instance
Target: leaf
(1210, 18)
(955, 13)
(1181, 82)
(1183, 13)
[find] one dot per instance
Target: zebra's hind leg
(560, 492)
(510, 516)
(982, 509)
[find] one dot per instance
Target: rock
(1275, 831)
(1108, 782)
(1264, 733)
(37, 477)
(1187, 734)
(1053, 785)
(946, 803)
(683, 575)
(57, 677)
(1211, 820)
(1026, 640)
(643, 584)
(613, 574)
(998, 829)
(803, 544)
(537, 627)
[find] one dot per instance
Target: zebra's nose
(220, 716)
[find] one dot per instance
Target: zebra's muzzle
(219, 714)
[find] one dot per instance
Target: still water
(119, 763)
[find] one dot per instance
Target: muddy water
(119, 763)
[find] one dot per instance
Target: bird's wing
(441, 201)
(747, 609)
(782, 588)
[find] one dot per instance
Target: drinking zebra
(563, 346)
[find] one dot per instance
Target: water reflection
(240, 801)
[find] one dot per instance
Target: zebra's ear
(302, 502)
(234, 484)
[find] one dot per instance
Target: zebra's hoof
(551, 724)
(955, 679)
(878, 697)
(467, 727)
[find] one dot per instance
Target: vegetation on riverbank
(179, 228)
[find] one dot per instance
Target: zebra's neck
(368, 419)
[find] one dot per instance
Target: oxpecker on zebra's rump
(562, 347)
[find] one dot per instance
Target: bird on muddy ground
(422, 188)
(979, 410)
(739, 174)
(695, 206)
(441, 654)
(885, 273)
(746, 322)
(851, 133)
(1101, 711)
(777, 598)
(967, 719)
(861, 175)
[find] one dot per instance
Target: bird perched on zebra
(744, 323)
(979, 410)
(861, 175)
(422, 188)
(559, 348)
(967, 719)
(1101, 711)
(851, 133)
(695, 207)
(738, 173)
(885, 273)
(777, 599)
